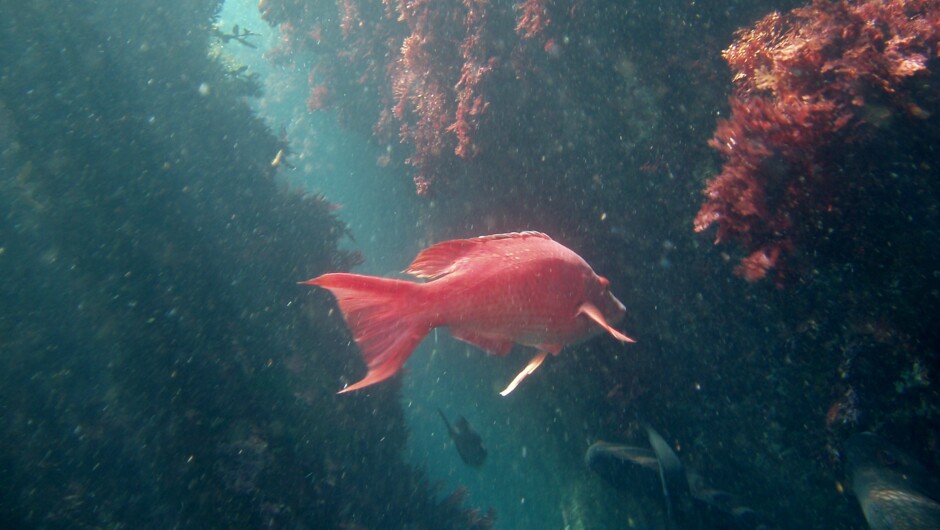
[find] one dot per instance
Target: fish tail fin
(381, 315)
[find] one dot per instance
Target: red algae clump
(805, 85)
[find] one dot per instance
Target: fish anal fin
(553, 349)
(495, 345)
(446, 257)
(591, 311)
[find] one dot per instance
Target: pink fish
(491, 291)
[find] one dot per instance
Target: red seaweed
(803, 84)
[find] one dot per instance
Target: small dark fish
(468, 442)
(658, 472)
(893, 489)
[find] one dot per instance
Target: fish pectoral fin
(494, 345)
(591, 311)
(529, 368)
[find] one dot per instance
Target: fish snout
(612, 309)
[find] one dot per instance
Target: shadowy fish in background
(491, 291)
(658, 472)
(468, 442)
(676, 491)
(625, 466)
(893, 489)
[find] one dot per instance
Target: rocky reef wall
(160, 367)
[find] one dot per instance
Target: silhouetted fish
(893, 489)
(468, 442)
(659, 472)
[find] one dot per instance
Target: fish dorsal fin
(446, 257)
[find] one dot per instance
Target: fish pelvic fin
(526, 372)
(591, 311)
(381, 314)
